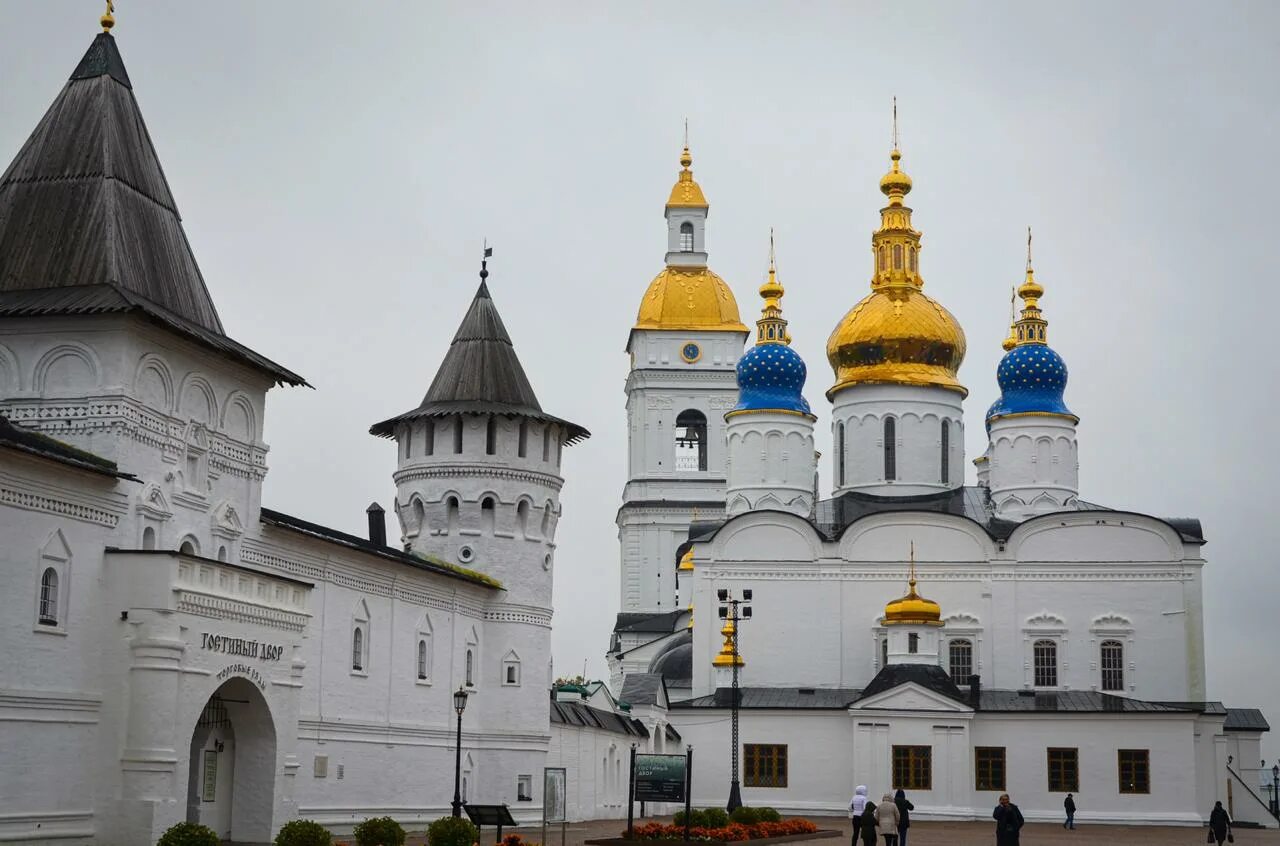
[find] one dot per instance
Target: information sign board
(660, 778)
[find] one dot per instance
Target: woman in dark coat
(869, 824)
(904, 815)
(1219, 823)
(1008, 822)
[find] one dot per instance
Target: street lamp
(1275, 788)
(734, 610)
(459, 705)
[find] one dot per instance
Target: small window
(422, 659)
(430, 447)
(913, 767)
(546, 444)
(884, 652)
(406, 433)
(522, 445)
(49, 597)
(913, 643)
(547, 510)
(764, 765)
(897, 257)
(451, 514)
(522, 517)
(188, 547)
(988, 763)
(1135, 770)
(457, 435)
(470, 668)
(1045, 657)
(222, 553)
(357, 649)
(1112, 664)
(911, 251)
(890, 449)
(487, 515)
(691, 441)
(881, 262)
(686, 237)
(491, 436)
(149, 538)
(960, 655)
(946, 452)
(840, 455)
(1064, 770)
(524, 788)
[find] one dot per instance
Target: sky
(338, 166)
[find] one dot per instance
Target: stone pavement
(951, 834)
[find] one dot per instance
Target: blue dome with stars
(1032, 379)
(771, 378)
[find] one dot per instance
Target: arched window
(890, 449)
(49, 597)
(546, 520)
(422, 659)
(911, 251)
(222, 553)
(884, 652)
(149, 538)
(457, 435)
(897, 257)
(451, 514)
(522, 517)
(430, 447)
(491, 436)
(522, 446)
(487, 515)
(691, 441)
(946, 452)
(357, 649)
(419, 526)
(188, 547)
(1112, 664)
(686, 237)
(960, 656)
(470, 667)
(913, 643)
(840, 455)
(1045, 662)
(882, 260)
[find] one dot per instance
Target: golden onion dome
(896, 334)
(691, 298)
(686, 561)
(912, 609)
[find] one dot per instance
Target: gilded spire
(895, 245)
(913, 608)
(1012, 340)
(1030, 327)
(686, 193)
(728, 654)
(771, 328)
(108, 19)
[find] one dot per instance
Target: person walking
(869, 824)
(857, 805)
(1220, 825)
(887, 819)
(904, 815)
(1069, 805)
(1008, 822)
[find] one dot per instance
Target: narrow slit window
(49, 597)
(522, 446)
(422, 659)
(457, 435)
(946, 452)
(357, 649)
(840, 455)
(890, 449)
(491, 436)
(897, 257)
(470, 667)
(430, 441)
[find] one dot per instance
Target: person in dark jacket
(1219, 823)
(904, 815)
(1008, 822)
(1069, 805)
(869, 824)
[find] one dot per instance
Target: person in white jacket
(856, 806)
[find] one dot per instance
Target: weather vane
(484, 260)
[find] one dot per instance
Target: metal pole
(688, 789)
(735, 792)
(631, 792)
(457, 773)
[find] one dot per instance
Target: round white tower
(1034, 467)
(897, 418)
(770, 430)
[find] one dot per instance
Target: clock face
(691, 352)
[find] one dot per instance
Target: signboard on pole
(660, 778)
(553, 795)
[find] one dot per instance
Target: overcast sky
(338, 164)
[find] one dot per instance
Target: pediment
(910, 696)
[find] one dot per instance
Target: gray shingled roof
(88, 224)
(1245, 719)
(21, 439)
(635, 621)
(641, 689)
(481, 374)
(929, 676)
(581, 714)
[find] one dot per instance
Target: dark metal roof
(788, 698)
(929, 676)
(481, 374)
(1075, 701)
(88, 223)
(1245, 719)
(645, 622)
(324, 533)
(675, 663)
(34, 443)
(581, 714)
(642, 689)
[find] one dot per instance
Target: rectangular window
(1045, 662)
(913, 643)
(913, 767)
(960, 653)
(988, 764)
(1112, 665)
(764, 765)
(1135, 770)
(524, 788)
(1064, 770)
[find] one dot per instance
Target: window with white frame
(360, 639)
(470, 668)
(960, 658)
(511, 669)
(524, 788)
(48, 597)
(1111, 662)
(357, 649)
(422, 659)
(423, 653)
(1044, 655)
(53, 573)
(686, 237)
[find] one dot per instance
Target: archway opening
(232, 771)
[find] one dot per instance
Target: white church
(1062, 648)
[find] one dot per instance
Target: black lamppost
(1275, 788)
(734, 610)
(459, 705)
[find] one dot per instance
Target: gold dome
(686, 561)
(912, 609)
(896, 334)
(691, 298)
(726, 657)
(686, 193)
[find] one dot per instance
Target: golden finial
(685, 158)
(771, 328)
(1028, 248)
(1030, 327)
(772, 265)
(895, 122)
(911, 577)
(895, 184)
(108, 20)
(1011, 341)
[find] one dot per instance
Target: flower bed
(731, 833)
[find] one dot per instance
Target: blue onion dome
(771, 375)
(1032, 376)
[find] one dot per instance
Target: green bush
(715, 817)
(303, 833)
(189, 834)
(745, 816)
(452, 831)
(379, 831)
(768, 814)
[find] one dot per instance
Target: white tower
(897, 419)
(684, 345)
(1034, 464)
(770, 430)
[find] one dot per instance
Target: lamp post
(1275, 788)
(735, 610)
(459, 705)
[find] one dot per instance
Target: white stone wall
(859, 413)
(771, 463)
(1035, 465)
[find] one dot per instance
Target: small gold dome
(691, 298)
(895, 182)
(686, 561)
(686, 193)
(912, 609)
(897, 335)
